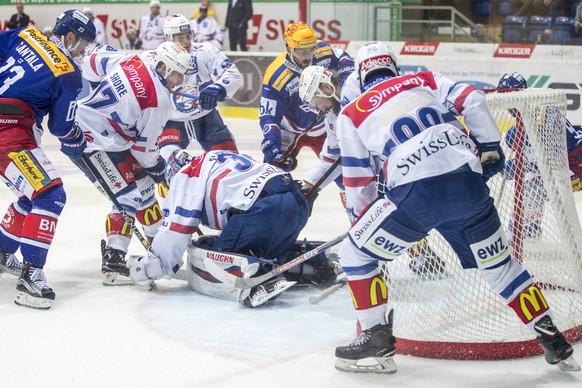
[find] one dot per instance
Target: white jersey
(99, 60)
(210, 66)
(207, 30)
(409, 124)
(127, 111)
(331, 151)
(151, 32)
(203, 192)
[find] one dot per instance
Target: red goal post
(455, 315)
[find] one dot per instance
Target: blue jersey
(37, 71)
(281, 108)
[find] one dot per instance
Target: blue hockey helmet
(512, 81)
(76, 22)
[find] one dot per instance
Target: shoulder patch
(56, 60)
(323, 51)
(273, 67)
(282, 79)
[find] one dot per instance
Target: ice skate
(271, 289)
(114, 267)
(370, 352)
(10, 264)
(32, 290)
(557, 350)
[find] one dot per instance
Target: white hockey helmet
(311, 78)
(373, 57)
(175, 24)
(174, 57)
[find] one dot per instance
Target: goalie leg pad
(202, 281)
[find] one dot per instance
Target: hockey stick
(313, 299)
(187, 95)
(292, 147)
(323, 178)
(108, 193)
(238, 282)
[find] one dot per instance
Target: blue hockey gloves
(492, 159)
(211, 95)
(73, 146)
(156, 172)
(272, 150)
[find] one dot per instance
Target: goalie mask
(375, 58)
(177, 61)
(512, 81)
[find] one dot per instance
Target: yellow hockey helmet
(299, 35)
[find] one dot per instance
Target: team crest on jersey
(185, 104)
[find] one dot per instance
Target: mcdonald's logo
(532, 302)
(368, 293)
(151, 215)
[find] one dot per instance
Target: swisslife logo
(505, 50)
(419, 48)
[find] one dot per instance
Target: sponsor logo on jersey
(29, 167)
(374, 98)
(8, 121)
(108, 172)
(282, 79)
(505, 50)
(417, 48)
(139, 79)
(372, 214)
(382, 60)
(385, 245)
(368, 293)
(56, 61)
(268, 107)
(257, 184)
(492, 250)
(445, 140)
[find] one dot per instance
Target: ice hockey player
(283, 116)
(123, 119)
(320, 89)
(38, 77)
(214, 79)
(434, 180)
(256, 206)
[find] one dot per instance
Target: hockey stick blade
(243, 283)
(313, 299)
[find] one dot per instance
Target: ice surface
(96, 336)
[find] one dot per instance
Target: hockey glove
(73, 146)
(176, 161)
(211, 95)
(492, 159)
(156, 172)
(272, 150)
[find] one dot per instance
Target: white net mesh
(536, 206)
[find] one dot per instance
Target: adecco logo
(514, 50)
(419, 48)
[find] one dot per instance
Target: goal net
(453, 313)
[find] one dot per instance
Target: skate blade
(382, 365)
(569, 365)
(27, 300)
(258, 301)
(116, 279)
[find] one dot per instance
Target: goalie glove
(176, 161)
(492, 159)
